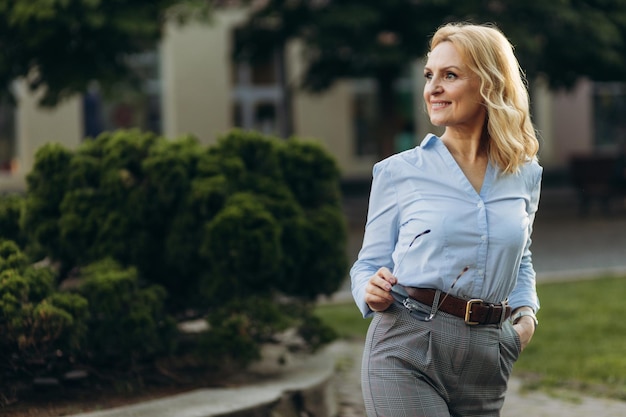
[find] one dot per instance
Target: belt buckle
(468, 311)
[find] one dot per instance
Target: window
(260, 95)
(609, 107)
(265, 118)
(126, 107)
(265, 73)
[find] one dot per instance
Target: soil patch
(67, 400)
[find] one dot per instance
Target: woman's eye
(447, 76)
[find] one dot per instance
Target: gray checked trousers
(440, 368)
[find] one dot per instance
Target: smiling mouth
(439, 104)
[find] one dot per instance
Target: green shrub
(190, 268)
(311, 175)
(297, 182)
(116, 199)
(242, 245)
(239, 327)
(318, 254)
(251, 213)
(186, 228)
(11, 207)
(47, 184)
(315, 332)
(110, 323)
(36, 323)
(127, 323)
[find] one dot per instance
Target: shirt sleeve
(525, 291)
(381, 231)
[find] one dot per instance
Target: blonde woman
(445, 268)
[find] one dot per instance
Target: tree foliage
(63, 45)
(560, 41)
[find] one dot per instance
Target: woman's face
(452, 91)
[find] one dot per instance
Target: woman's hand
(525, 328)
(378, 290)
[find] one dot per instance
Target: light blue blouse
(490, 233)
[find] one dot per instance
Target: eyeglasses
(409, 247)
(417, 310)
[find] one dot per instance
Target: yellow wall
(326, 118)
(196, 77)
(573, 121)
(36, 126)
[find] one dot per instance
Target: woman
(445, 268)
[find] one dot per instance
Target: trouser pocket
(510, 347)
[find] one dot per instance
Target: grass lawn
(580, 342)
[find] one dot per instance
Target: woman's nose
(433, 86)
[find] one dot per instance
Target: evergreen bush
(11, 208)
(37, 323)
(244, 324)
(47, 184)
(127, 323)
(252, 213)
(159, 228)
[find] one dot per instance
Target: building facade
(192, 86)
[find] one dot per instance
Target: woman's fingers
(378, 290)
(525, 328)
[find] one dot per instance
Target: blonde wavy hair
(488, 54)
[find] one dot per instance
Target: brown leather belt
(473, 311)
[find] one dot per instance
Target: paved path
(517, 404)
(568, 245)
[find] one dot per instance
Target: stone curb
(301, 387)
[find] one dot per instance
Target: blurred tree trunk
(388, 122)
